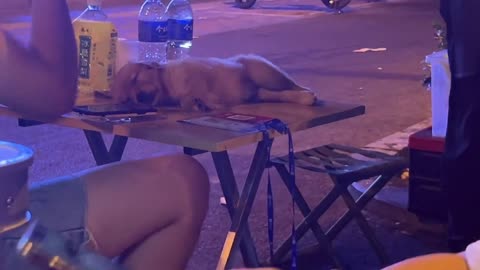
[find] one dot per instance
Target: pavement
(316, 47)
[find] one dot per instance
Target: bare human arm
(40, 79)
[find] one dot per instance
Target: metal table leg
(99, 150)
(238, 229)
(230, 191)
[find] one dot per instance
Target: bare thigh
(129, 201)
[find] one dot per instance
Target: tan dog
(208, 83)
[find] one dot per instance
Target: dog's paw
(199, 105)
(193, 104)
(306, 97)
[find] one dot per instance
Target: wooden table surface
(165, 128)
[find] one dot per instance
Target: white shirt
(472, 255)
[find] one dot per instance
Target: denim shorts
(60, 205)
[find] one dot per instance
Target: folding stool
(345, 165)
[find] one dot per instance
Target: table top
(165, 128)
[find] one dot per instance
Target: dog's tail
(267, 75)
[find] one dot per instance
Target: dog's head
(140, 82)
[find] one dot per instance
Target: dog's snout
(146, 97)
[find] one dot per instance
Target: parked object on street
(336, 5)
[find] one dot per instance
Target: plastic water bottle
(180, 29)
(152, 32)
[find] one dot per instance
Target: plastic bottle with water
(180, 29)
(152, 32)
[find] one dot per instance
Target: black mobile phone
(113, 109)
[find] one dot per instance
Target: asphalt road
(316, 47)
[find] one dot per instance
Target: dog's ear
(125, 82)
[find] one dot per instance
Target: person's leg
(149, 210)
(461, 163)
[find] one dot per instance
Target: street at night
(316, 47)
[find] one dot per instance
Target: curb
(392, 194)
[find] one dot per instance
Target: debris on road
(364, 50)
(223, 201)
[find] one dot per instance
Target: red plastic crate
(424, 141)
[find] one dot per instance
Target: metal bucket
(15, 161)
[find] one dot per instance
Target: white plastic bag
(441, 81)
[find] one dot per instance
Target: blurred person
(461, 177)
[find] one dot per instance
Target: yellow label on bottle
(97, 48)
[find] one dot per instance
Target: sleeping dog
(206, 84)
